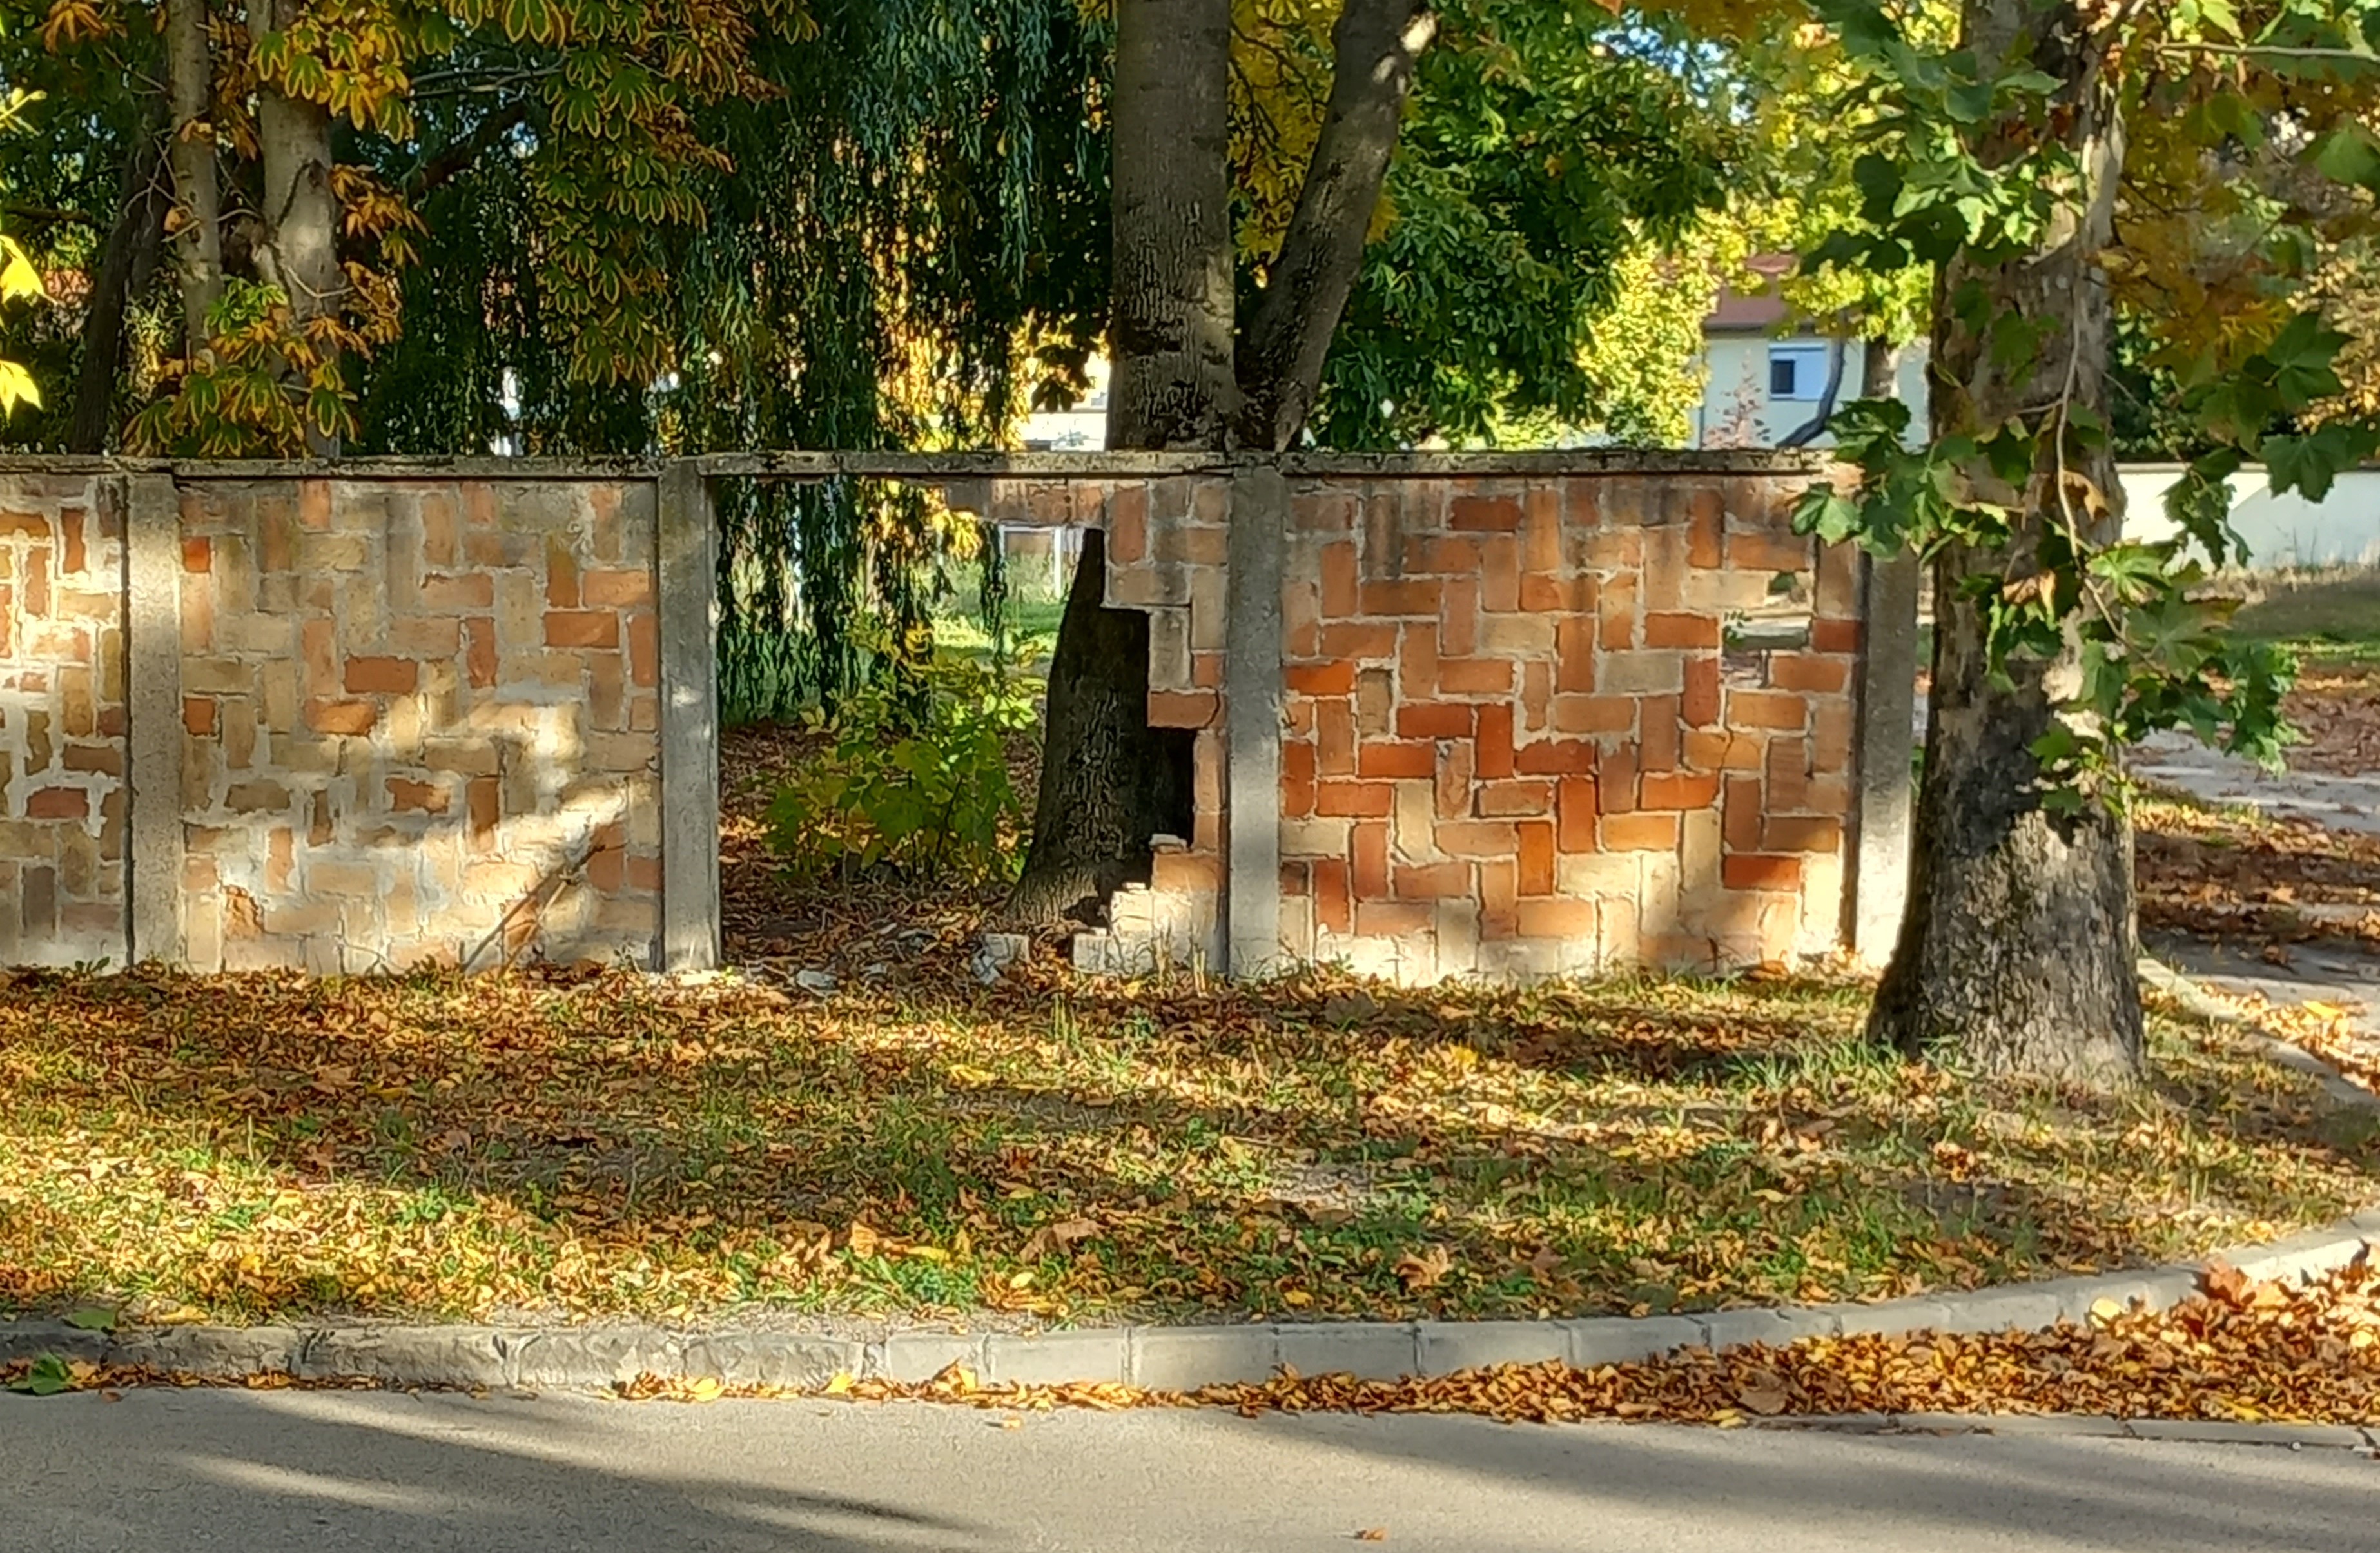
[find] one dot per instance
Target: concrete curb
(1163, 1358)
(2089, 1426)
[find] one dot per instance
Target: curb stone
(1185, 1358)
(1159, 1358)
(2084, 1426)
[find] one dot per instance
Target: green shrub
(915, 781)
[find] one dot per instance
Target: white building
(1766, 374)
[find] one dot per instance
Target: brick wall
(62, 723)
(420, 723)
(1516, 745)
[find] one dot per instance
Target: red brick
(1681, 630)
(314, 504)
(1494, 760)
(1515, 800)
(1640, 832)
(1834, 635)
(1744, 820)
(1485, 515)
(1616, 613)
(1766, 709)
(1332, 908)
(1127, 525)
(1536, 690)
(1178, 708)
(1541, 529)
(57, 803)
(1615, 782)
(1811, 672)
(1756, 871)
(416, 797)
(1394, 919)
(1706, 529)
(1458, 621)
(198, 554)
(1670, 790)
(1593, 714)
(354, 718)
(1715, 751)
(382, 676)
(466, 590)
(1543, 594)
(1476, 838)
(1575, 810)
(199, 715)
(595, 629)
(1296, 778)
(644, 647)
(1574, 655)
(1334, 739)
(1499, 573)
(560, 576)
(1417, 665)
(1537, 857)
(1788, 774)
(1206, 670)
(480, 653)
(1802, 833)
(1401, 758)
(1414, 596)
(1434, 881)
(1700, 706)
(1572, 921)
(1321, 679)
(1475, 677)
(484, 798)
(1768, 553)
(1657, 748)
(1336, 800)
(1340, 592)
(103, 759)
(1369, 876)
(1436, 719)
(1557, 758)
(1830, 730)
(623, 589)
(1440, 555)
(1359, 640)
(1500, 915)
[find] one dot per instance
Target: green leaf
(48, 1377)
(2350, 155)
(92, 1318)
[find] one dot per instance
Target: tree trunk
(1279, 363)
(1181, 379)
(299, 249)
(197, 246)
(127, 261)
(2018, 950)
(1109, 781)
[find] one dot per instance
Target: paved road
(195, 1472)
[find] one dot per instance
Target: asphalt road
(231, 1472)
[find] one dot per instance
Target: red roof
(1760, 310)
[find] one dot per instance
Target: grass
(2332, 616)
(1077, 1151)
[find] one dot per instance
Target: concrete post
(1887, 708)
(688, 592)
(153, 640)
(1253, 699)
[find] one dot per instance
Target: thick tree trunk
(2018, 950)
(127, 261)
(1280, 362)
(1109, 781)
(197, 246)
(299, 249)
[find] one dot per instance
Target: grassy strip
(1059, 1150)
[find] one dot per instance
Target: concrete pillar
(1253, 700)
(687, 586)
(1888, 706)
(152, 641)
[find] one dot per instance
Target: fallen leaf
(1424, 1270)
(1373, 1533)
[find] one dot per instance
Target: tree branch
(460, 156)
(1288, 335)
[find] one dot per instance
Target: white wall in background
(2280, 530)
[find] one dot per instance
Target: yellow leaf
(705, 1389)
(2103, 1311)
(1297, 1299)
(841, 1385)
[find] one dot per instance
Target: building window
(1797, 371)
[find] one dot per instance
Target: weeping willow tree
(905, 233)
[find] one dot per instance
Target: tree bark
(1288, 338)
(127, 261)
(1109, 781)
(298, 247)
(197, 246)
(2018, 950)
